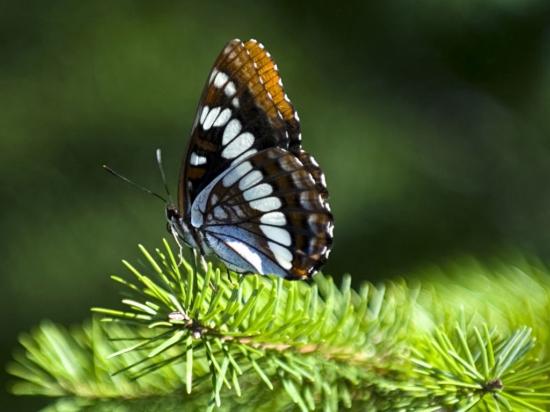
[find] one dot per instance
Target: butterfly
(248, 193)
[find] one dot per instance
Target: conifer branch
(279, 331)
(213, 340)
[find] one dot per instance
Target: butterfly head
(178, 228)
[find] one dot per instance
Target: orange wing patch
(251, 66)
(270, 79)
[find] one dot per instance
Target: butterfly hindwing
(268, 214)
(243, 110)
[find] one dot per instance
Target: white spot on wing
(212, 75)
(235, 102)
(204, 112)
(236, 173)
(256, 192)
(239, 145)
(312, 160)
(246, 253)
(323, 180)
(232, 129)
(250, 179)
(277, 234)
(266, 204)
(212, 115)
(197, 160)
(220, 80)
(230, 89)
(282, 255)
(310, 180)
(274, 218)
(223, 118)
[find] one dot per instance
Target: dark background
(430, 119)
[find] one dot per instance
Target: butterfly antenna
(163, 175)
(125, 179)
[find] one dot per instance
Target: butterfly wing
(268, 214)
(243, 110)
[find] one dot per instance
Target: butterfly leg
(242, 276)
(180, 263)
(230, 278)
(179, 243)
(200, 261)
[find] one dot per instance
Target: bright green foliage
(217, 340)
(467, 366)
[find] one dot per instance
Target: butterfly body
(248, 193)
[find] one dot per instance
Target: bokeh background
(430, 119)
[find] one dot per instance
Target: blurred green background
(430, 119)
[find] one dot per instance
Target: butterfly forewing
(267, 210)
(243, 109)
